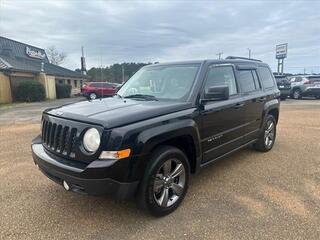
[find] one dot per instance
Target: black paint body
(205, 131)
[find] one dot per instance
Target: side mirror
(217, 93)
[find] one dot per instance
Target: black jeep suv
(167, 121)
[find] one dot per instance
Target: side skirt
(227, 154)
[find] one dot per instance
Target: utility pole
(249, 50)
(219, 55)
(122, 67)
(101, 70)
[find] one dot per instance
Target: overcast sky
(149, 31)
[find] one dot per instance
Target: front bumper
(78, 179)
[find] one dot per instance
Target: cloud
(148, 31)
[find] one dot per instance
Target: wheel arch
(272, 108)
(182, 134)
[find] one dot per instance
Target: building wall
(5, 89)
(49, 84)
(75, 83)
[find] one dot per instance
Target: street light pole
(219, 55)
(122, 67)
(249, 50)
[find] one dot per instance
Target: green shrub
(63, 90)
(30, 91)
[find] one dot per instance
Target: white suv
(305, 86)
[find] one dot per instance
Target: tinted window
(98, 85)
(266, 77)
(246, 81)
(256, 79)
(218, 76)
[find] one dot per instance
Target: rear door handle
(238, 105)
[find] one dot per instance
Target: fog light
(115, 154)
(66, 186)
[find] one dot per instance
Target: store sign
(281, 51)
(35, 53)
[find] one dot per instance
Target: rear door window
(248, 81)
(266, 77)
(256, 79)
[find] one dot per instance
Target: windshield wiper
(118, 95)
(142, 96)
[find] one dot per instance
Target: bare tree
(55, 56)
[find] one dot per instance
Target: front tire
(92, 96)
(296, 94)
(165, 183)
(267, 136)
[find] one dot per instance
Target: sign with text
(281, 51)
(34, 53)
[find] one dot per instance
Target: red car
(92, 90)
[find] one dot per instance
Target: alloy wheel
(169, 183)
(93, 96)
(296, 94)
(269, 134)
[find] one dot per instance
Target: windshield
(161, 82)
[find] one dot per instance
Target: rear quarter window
(266, 77)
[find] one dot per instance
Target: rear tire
(267, 136)
(165, 183)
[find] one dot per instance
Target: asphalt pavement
(31, 112)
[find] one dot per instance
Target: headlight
(91, 140)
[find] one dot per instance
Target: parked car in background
(305, 86)
(118, 86)
(284, 86)
(92, 90)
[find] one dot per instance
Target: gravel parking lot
(250, 195)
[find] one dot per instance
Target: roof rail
(243, 58)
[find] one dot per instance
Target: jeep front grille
(59, 138)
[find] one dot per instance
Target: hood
(114, 112)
